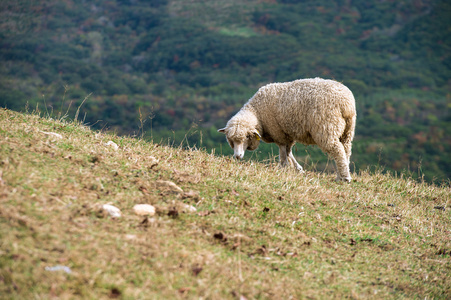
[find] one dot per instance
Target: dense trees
(191, 66)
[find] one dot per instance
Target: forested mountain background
(184, 67)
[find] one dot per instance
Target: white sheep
(310, 111)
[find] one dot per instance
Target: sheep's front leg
(294, 163)
(286, 158)
(283, 156)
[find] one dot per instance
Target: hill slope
(257, 232)
(189, 62)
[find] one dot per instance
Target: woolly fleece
(311, 111)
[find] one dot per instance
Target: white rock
(130, 236)
(168, 186)
(57, 135)
(113, 211)
(113, 145)
(59, 268)
(189, 208)
(144, 209)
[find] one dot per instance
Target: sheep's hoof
(298, 168)
(344, 179)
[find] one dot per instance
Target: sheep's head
(241, 140)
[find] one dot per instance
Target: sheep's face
(243, 142)
(253, 141)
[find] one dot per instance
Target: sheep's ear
(222, 130)
(257, 134)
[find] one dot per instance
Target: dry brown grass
(259, 231)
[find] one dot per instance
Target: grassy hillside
(257, 231)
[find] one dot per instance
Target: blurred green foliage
(188, 67)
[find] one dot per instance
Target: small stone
(130, 236)
(113, 211)
(189, 208)
(144, 209)
(54, 134)
(190, 194)
(59, 268)
(113, 145)
(168, 186)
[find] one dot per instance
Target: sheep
(311, 111)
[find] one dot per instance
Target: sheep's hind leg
(337, 151)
